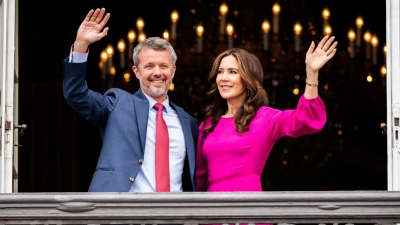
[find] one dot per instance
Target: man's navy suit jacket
(122, 119)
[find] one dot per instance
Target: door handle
(22, 127)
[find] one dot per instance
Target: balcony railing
(372, 207)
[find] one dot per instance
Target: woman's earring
(248, 92)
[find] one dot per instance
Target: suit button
(140, 161)
(131, 179)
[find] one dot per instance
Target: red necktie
(162, 152)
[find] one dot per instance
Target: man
(127, 122)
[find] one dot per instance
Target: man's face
(155, 73)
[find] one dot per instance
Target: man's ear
(136, 71)
(173, 73)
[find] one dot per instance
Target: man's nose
(157, 70)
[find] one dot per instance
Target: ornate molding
(201, 207)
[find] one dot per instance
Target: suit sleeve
(201, 163)
(92, 105)
(309, 117)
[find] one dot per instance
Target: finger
(90, 13)
(100, 16)
(331, 54)
(329, 42)
(95, 15)
(311, 48)
(105, 19)
(322, 42)
(105, 31)
(332, 47)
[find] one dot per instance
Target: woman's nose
(224, 76)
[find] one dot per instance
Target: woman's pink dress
(229, 162)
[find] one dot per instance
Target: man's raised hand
(91, 29)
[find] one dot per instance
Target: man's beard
(152, 92)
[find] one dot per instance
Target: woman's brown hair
(252, 75)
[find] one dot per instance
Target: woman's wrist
(312, 84)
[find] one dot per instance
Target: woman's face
(229, 82)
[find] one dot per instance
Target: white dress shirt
(145, 180)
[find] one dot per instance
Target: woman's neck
(232, 109)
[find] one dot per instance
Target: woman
(239, 129)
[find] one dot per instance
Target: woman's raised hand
(316, 57)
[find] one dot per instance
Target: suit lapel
(187, 133)
(142, 114)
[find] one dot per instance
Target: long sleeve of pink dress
(229, 162)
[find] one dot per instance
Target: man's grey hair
(157, 44)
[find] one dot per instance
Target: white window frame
(393, 92)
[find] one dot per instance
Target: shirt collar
(152, 102)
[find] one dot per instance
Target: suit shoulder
(118, 93)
